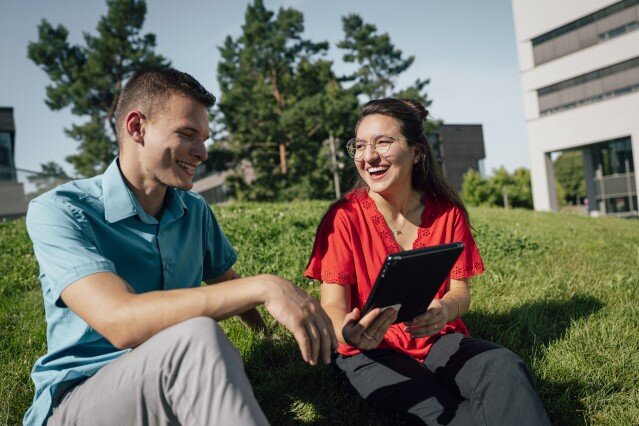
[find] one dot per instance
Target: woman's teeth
(377, 170)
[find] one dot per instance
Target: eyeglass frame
(352, 142)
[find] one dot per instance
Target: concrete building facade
(579, 65)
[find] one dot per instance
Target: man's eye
(360, 146)
(384, 142)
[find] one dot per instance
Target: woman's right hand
(367, 332)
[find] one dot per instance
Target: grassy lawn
(560, 290)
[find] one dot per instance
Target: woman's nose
(369, 153)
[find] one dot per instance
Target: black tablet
(409, 280)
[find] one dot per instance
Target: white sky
(466, 48)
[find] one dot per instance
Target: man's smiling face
(174, 139)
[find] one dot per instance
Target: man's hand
(368, 332)
(303, 316)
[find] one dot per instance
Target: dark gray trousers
(187, 374)
(463, 381)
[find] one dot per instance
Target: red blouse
(353, 241)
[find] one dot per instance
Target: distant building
(458, 148)
(12, 200)
(579, 65)
(212, 187)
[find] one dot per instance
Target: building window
(612, 21)
(613, 157)
(614, 177)
(7, 171)
(595, 86)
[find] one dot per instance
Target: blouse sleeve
(469, 263)
(332, 257)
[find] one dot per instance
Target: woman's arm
(363, 333)
(440, 312)
(336, 301)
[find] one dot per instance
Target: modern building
(579, 65)
(458, 148)
(12, 200)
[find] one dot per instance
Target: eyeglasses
(380, 143)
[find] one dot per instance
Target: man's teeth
(188, 167)
(377, 169)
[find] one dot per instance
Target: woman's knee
(503, 362)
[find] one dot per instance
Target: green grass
(560, 290)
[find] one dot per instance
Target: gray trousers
(463, 381)
(188, 374)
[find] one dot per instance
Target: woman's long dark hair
(427, 176)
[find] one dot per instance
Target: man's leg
(396, 384)
(188, 374)
(498, 384)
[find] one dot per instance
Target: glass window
(6, 157)
(613, 157)
(621, 204)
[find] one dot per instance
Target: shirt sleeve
(469, 263)
(332, 257)
(65, 252)
(219, 255)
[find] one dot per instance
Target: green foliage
(277, 90)
(477, 191)
(379, 61)
(569, 175)
(89, 78)
(559, 290)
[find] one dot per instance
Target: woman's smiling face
(390, 172)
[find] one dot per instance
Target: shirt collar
(120, 203)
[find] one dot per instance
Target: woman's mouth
(377, 173)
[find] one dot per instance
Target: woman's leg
(396, 384)
(498, 384)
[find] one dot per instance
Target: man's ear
(134, 124)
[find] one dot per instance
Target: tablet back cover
(412, 278)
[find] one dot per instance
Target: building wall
(462, 146)
(607, 119)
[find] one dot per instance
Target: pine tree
(89, 78)
(280, 99)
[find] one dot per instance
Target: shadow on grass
(528, 330)
(292, 393)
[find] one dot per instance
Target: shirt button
(167, 266)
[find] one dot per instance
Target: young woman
(427, 370)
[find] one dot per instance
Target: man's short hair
(149, 88)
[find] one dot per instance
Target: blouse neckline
(386, 234)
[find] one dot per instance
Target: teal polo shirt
(97, 225)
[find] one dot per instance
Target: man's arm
(250, 318)
(109, 305)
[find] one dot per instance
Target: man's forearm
(128, 319)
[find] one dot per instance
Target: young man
(132, 335)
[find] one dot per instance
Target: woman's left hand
(431, 322)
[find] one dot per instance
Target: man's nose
(200, 151)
